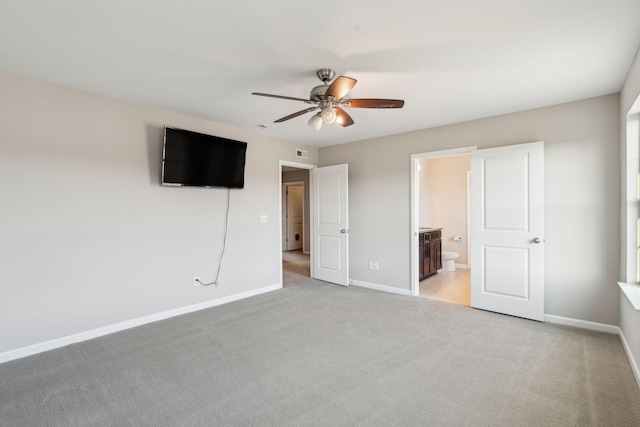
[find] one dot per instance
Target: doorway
(295, 222)
(440, 200)
(506, 227)
(328, 213)
(443, 203)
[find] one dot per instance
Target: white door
(507, 226)
(330, 225)
(295, 209)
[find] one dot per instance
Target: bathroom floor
(449, 286)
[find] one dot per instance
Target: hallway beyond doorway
(295, 267)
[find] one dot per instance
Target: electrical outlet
(196, 281)
(375, 266)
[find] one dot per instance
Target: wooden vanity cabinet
(429, 252)
(421, 255)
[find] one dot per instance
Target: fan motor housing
(317, 93)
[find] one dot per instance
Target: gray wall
(89, 237)
(582, 195)
(629, 317)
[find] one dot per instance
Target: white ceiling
(451, 61)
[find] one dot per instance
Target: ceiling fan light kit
(329, 98)
(315, 122)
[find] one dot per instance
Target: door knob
(343, 231)
(536, 240)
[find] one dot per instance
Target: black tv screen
(195, 159)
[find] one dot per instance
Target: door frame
(280, 218)
(415, 197)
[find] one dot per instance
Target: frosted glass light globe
(329, 115)
(315, 122)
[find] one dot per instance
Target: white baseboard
(584, 324)
(117, 327)
(632, 360)
(463, 266)
(382, 288)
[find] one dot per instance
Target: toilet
(448, 260)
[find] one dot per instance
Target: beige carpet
(316, 354)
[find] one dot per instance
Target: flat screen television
(199, 160)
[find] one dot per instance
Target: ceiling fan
(329, 99)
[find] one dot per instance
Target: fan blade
(279, 96)
(373, 103)
(343, 119)
(299, 113)
(340, 87)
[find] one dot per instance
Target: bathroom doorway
(440, 199)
